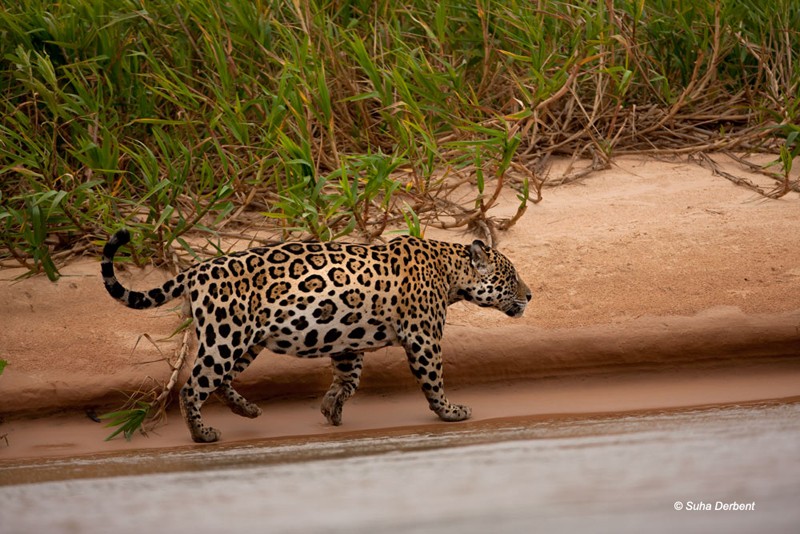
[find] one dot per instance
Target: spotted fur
(325, 299)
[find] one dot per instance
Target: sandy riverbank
(647, 271)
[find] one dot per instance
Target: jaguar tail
(135, 299)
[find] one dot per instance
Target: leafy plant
(789, 150)
(127, 420)
(412, 222)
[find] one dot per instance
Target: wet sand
(74, 434)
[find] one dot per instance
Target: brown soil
(654, 272)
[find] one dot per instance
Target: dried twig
(160, 403)
(705, 161)
(761, 169)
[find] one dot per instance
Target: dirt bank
(649, 266)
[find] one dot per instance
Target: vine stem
(176, 369)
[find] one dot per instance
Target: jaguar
(312, 299)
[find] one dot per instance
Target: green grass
(337, 117)
(127, 420)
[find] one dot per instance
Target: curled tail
(135, 299)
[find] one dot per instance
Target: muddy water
(602, 474)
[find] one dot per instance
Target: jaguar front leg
(346, 377)
(426, 365)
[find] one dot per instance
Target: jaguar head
(494, 282)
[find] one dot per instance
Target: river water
(656, 472)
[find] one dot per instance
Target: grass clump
(127, 420)
(331, 117)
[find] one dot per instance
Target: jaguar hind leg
(346, 377)
(207, 376)
(232, 398)
(192, 397)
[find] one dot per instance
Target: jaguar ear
(478, 257)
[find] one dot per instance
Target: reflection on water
(620, 474)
